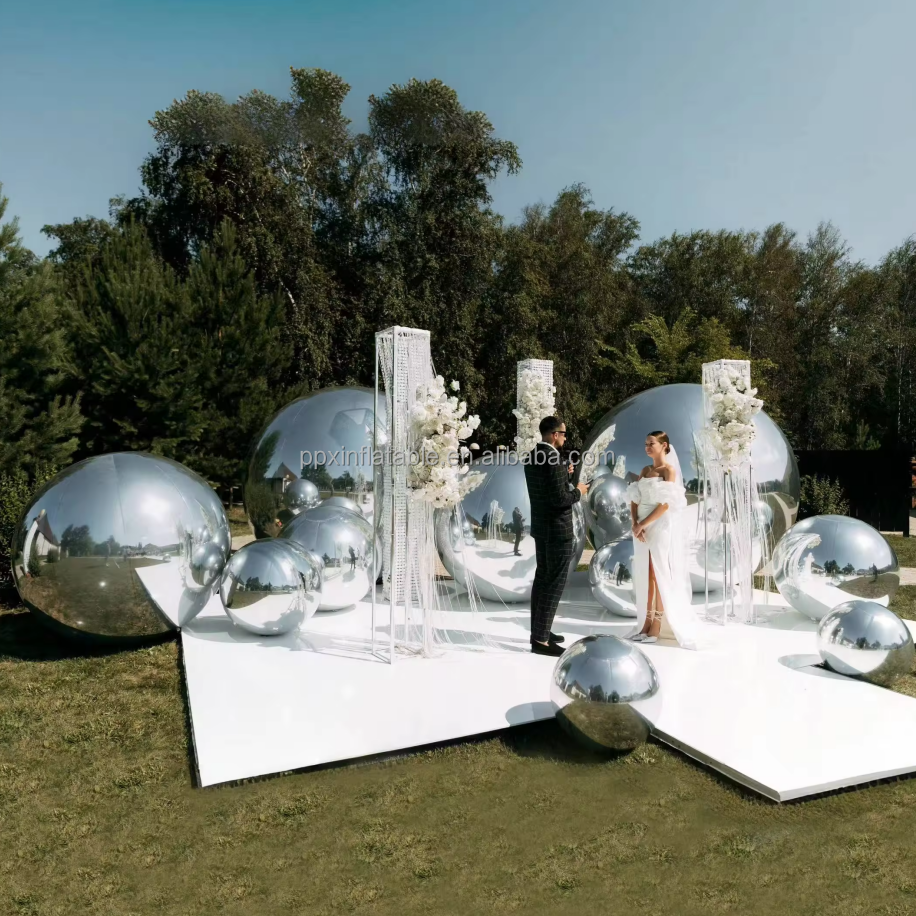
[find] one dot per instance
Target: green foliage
(822, 496)
(38, 422)
(16, 492)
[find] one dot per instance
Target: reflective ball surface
(607, 510)
(120, 547)
(344, 502)
(866, 640)
(610, 575)
(342, 540)
(485, 538)
(599, 686)
(300, 495)
(826, 560)
(324, 438)
(270, 587)
(678, 410)
(207, 563)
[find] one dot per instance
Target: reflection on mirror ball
(601, 689)
(300, 495)
(489, 535)
(324, 438)
(826, 560)
(610, 575)
(121, 547)
(343, 541)
(270, 587)
(344, 503)
(866, 640)
(678, 410)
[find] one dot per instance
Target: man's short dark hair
(550, 425)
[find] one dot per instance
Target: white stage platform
(752, 705)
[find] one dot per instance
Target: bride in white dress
(661, 577)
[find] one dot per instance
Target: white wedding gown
(666, 542)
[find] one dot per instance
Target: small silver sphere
(500, 558)
(300, 495)
(344, 502)
(865, 640)
(207, 561)
(343, 541)
(104, 549)
(594, 688)
(269, 587)
(824, 561)
(610, 575)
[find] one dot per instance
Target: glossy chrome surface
(678, 410)
(607, 509)
(324, 437)
(344, 502)
(469, 543)
(824, 561)
(121, 546)
(301, 495)
(597, 689)
(342, 539)
(865, 640)
(610, 575)
(270, 587)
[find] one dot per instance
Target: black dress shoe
(555, 638)
(553, 649)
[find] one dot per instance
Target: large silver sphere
(343, 541)
(598, 686)
(121, 547)
(324, 437)
(344, 502)
(865, 640)
(270, 587)
(301, 495)
(610, 575)
(824, 561)
(678, 410)
(479, 537)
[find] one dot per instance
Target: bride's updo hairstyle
(662, 437)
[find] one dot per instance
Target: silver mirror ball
(121, 547)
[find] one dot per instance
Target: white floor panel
(751, 705)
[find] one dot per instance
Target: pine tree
(38, 424)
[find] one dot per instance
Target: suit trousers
(554, 554)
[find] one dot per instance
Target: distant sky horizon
(705, 114)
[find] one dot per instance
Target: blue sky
(689, 115)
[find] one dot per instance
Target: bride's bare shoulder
(645, 471)
(666, 472)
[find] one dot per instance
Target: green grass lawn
(98, 815)
(905, 548)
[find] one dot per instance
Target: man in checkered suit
(552, 498)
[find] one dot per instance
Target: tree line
(270, 240)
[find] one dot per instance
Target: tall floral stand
(728, 482)
(534, 401)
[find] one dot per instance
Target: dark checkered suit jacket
(550, 494)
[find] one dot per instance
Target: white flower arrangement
(439, 426)
(536, 401)
(592, 456)
(733, 407)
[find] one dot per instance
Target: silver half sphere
(270, 587)
(826, 560)
(678, 410)
(343, 541)
(325, 437)
(300, 495)
(866, 640)
(598, 687)
(610, 575)
(483, 537)
(121, 547)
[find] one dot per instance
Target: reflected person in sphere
(518, 525)
(552, 498)
(661, 577)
